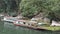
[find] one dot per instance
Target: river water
(6, 28)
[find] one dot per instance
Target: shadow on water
(12, 29)
(1, 26)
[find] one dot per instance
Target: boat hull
(30, 27)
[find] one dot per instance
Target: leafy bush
(29, 8)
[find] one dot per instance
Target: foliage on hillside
(31, 8)
(50, 8)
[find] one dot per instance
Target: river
(6, 28)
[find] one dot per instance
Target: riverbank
(10, 29)
(48, 27)
(52, 28)
(22, 30)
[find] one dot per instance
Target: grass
(48, 27)
(52, 28)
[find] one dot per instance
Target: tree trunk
(51, 20)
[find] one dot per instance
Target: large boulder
(55, 23)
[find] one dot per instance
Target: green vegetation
(50, 8)
(53, 28)
(31, 8)
(48, 27)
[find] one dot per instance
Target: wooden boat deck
(30, 27)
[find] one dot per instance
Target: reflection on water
(9, 28)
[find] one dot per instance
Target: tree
(11, 6)
(30, 8)
(53, 7)
(50, 8)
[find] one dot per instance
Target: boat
(24, 23)
(9, 19)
